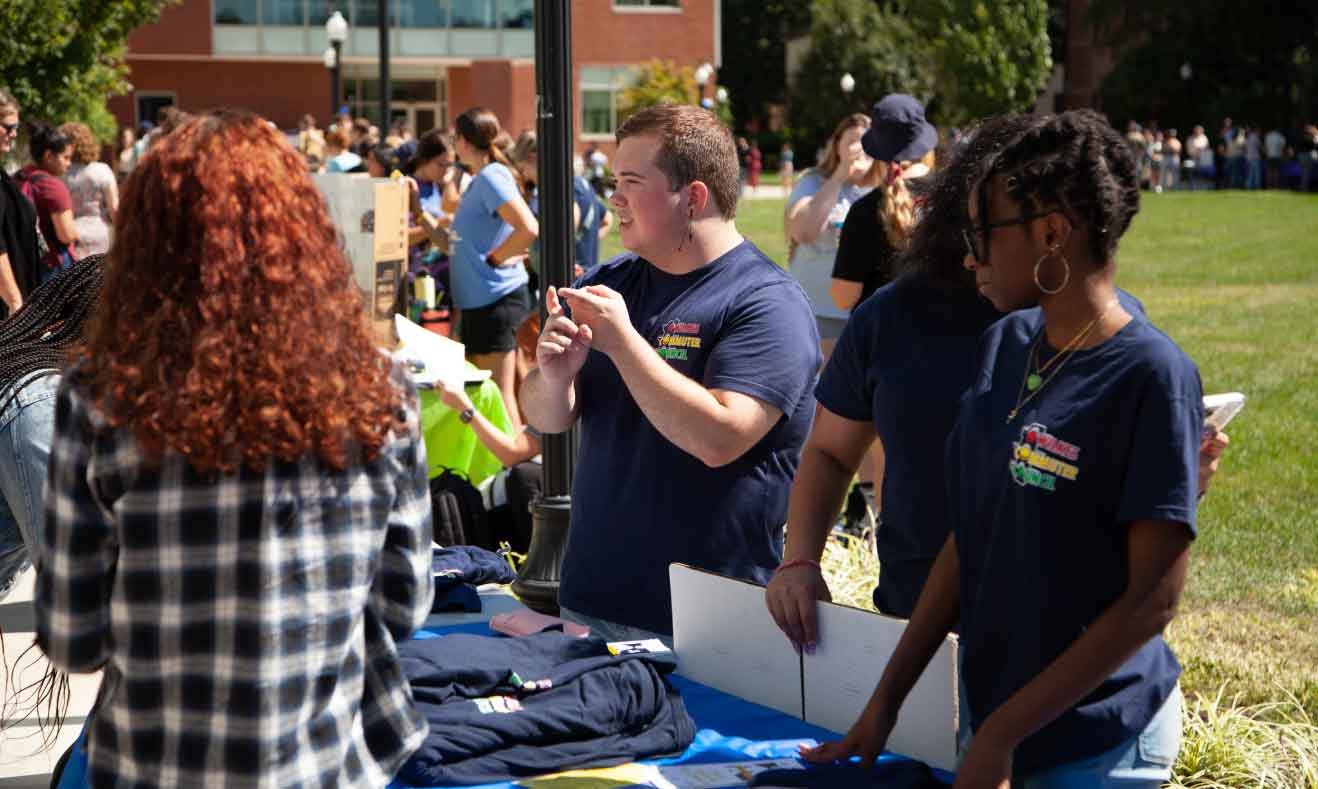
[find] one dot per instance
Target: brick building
(445, 56)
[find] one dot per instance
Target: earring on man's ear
(690, 233)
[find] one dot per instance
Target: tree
(966, 59)
(63, 58)
(989, 57)
(1255, 64)
(754, 68)
(660, 82)
(879, 48)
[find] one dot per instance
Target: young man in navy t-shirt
(690, 365)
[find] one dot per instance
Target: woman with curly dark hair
(238, 522)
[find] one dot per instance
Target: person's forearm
(817, 493)
(510, 450)
(935, 614)
(549, 407)
(515, 244)
(808, 222)
(1100, 650)
(683, 411)
(9, 291)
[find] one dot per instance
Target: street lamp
(1187, 71)
(703, 73)
(848, 84)
(336, 30)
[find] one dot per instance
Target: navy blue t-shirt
(1041, 509)
(592, 209)
(639, 502)
(903, 361)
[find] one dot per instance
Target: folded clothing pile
(459, 570)
(502, 709)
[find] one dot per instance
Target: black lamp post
(385, 87)
(336, 30)
(551, 511)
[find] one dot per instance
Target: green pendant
(1034, 381)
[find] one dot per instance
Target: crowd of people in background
(1238, 157)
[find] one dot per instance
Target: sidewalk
(764, 192)
(25, 762)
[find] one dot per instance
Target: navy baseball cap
(898, 131)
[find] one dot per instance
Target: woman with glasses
(19, 257)
(1071, 485)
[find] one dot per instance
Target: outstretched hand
(866, 739)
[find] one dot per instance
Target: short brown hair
(338, 138)
(85, 148)
(693, 146)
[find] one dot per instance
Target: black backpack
(459, 513)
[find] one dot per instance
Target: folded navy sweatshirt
(507, 708)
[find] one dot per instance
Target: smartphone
(1220, 409)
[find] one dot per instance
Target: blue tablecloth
(730, 729)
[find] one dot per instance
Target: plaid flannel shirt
(246, 623)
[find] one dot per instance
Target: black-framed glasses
(10, 128)
(973, 234)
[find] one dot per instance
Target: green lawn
(1233, 278)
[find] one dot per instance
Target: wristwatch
(466, 416)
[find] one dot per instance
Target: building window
(282, 12)
(647, 4)
(420, 13)
(601, 88)
(237, 12)
(473, 13)
(517, 14)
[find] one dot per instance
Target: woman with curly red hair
(238, 521)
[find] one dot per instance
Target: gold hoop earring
(1065, 279)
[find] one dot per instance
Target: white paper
(854, 647)
(725, 638)
(444, 359)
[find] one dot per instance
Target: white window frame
(616, 85)
(648, 7)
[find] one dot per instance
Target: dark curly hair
(1077, 162)
(49, 326)
(230, 330)
(937, 247)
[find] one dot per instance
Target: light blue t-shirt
(479, 230)
(344, 162)
(812, 264)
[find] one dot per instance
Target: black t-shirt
(864, 253)
(18, 235)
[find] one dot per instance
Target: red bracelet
(798, 563)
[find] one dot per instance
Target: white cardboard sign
(725, 638)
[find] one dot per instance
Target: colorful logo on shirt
(501, 704)
(1039, 458)
(677, 339)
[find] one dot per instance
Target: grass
(1232, 277)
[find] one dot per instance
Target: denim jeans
(1142, 762)
(27, 425)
